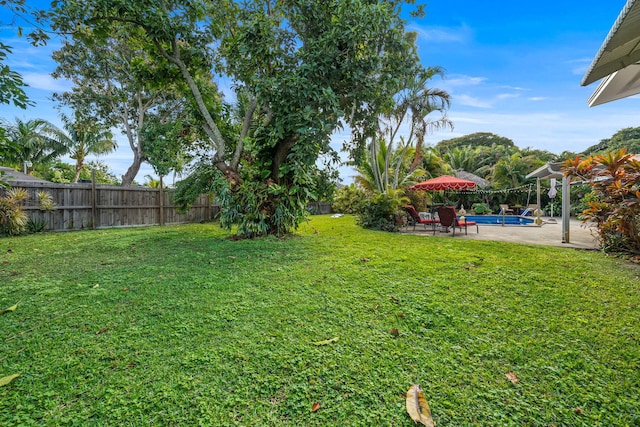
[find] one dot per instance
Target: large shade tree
(306, 68)
(114, 85)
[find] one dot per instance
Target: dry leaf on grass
(418, 407)
(315, 407)
(512, 377)
(102, 331)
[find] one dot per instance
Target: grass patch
(181, 326)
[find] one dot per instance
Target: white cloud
(459, 34)
(507, 96)
(471, 101)
(537, 98)
(44, 81)
(461, 80)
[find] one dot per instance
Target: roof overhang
(548, 171)
(621, 84)
(621, 48)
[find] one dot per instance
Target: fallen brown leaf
(578, 411)
(512, 377)
(315, 407)
(394, 332)
(418, 407)
(102, 331)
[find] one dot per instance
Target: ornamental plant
(13, 219)
(379, 212)
(615, 205)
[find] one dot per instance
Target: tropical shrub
(480, 208)
(13, 220)
(381, 210)
(349, 199)
(615, 210)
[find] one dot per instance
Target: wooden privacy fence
(86, 206)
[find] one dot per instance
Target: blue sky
(512, 68)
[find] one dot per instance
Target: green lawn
(182, 326)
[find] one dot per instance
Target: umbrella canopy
(445, 182)
(480, 182)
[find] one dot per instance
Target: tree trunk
(130, 175)
(79, 165)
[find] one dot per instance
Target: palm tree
(151, 182)
(35, 140)
(83, 139)
(387, 166)
(511, 171)
(465, 158)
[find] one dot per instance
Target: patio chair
(413, 218)
(449, 219)
(506, 209)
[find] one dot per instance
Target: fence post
(94, 219)
(161, 201)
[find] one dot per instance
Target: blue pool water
(497, 219)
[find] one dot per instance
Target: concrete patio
(550, 233)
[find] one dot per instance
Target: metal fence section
(90, 206)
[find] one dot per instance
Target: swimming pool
(498, 219)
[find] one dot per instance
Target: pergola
(553, 170)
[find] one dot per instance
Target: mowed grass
(181, 326)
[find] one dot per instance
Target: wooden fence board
(114, 206)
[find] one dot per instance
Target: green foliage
(480, 208)
(3, 181)
(614, 206)
(35, 140)
(11, 83)
(303, 68)
(474, 140)
(380, 211)
(36, 225)
(420, 199)
(84, 138)
(13, 219)
(65, 173)
(627, 139)
(197, 329)
(393, 161)
(349, 199)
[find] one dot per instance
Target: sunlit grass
(181, 326)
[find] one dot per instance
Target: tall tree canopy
(304, 67)
(627, 139)
(478, 139)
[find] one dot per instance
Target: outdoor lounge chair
(413, 218)
(449, 219)
(529, 210)
(506, 209)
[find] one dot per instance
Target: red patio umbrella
(444, 182)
